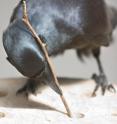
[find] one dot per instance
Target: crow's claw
(101, 81)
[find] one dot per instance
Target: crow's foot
(101, 81)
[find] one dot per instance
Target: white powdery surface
(47, 108)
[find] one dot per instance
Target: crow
(83, 25)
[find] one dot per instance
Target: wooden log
(46, 108)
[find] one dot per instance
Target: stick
(43, 46)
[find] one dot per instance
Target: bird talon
(103, 89)
(102, 82)
(22, 91)
(93, 95)
(111, 88)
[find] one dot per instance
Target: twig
(43, 46)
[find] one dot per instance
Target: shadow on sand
(11, 85)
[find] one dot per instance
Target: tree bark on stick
(43, 46)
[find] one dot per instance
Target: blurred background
(68, 64)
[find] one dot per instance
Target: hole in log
(2, 115)
(3, 94)
(114, 114)
(80, 115)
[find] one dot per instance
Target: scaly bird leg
(101, 79)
